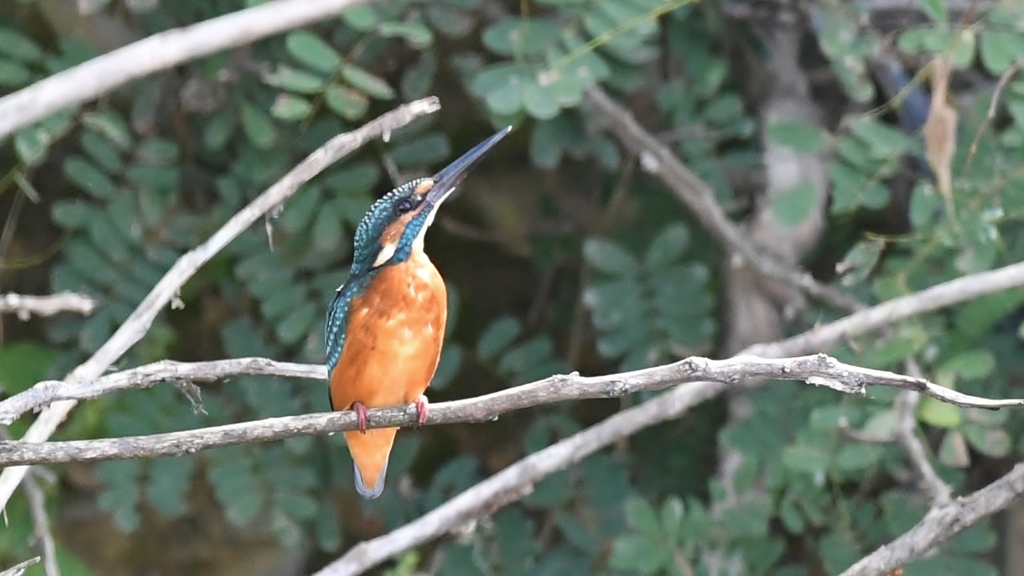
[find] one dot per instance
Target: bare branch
(161, 51)
(41, 525)
(906, 433)
(818, 370)
(519, 477)
(48, 391)
(138, 323)
(20, 568)
(659, 160)
(24, 306)
(940, 523)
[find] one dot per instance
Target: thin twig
(907, 434)
(41, 524)
(24, 306)
(940, 523)
(138, 323)
(49, 391)
(20, 568)
(697, 195)
(667, 406)
(817, 369)
(993, 107)
(167, 49)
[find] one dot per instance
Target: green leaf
(498, 336)
(111, 125)
(639, 554)
(297, 324)
(642, 517)
(13, 74)
(72, 215)
(348, 103)
(309, 49)
(857, 456)
(545, 145)
(23, 363)
(936, 10)
(157, 151)
(426, 149)
(609, 257)
(290, 108)
(328, 532)
(667, 247)
(953, 450)
(168, 485)
(258, 127)
(992, 442)
(794, 206)
(295, 80)
(540, 102)
(415, 33)
(839, 549)
(513, 36)
(672, 513)
(366, 82)
(807, 458)
(860, 261)
(801, 136)
(882, 426)
(418, 78)
(327, 233)
(31, 144)
(360, 18)
(971, 365)
(939, 414)
(18, 46)
(88, 178)
(102, 151)
(999, 49)
(883, 141)
(295, 504)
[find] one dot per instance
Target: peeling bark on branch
(24, 306)
(736, 372)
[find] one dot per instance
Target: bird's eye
(405, 204)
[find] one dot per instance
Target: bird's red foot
(360, 411)
(422, 409)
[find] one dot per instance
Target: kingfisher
(385, 326)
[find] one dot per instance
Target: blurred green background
(561, 253)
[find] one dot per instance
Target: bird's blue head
(395, 225)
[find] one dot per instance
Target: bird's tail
(370, 458)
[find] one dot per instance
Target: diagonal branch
(940, 523)
(24, 306)
(20, 568)
(138, 323)
(658, 159)
(41, 525)
(513, 482)
(167, 49)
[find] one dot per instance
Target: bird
(385, 326)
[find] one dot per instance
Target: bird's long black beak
(452, 175)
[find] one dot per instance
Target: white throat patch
(386, 252)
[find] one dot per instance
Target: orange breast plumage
(394, 336)
(393, 343)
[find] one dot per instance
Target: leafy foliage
(575, 262)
